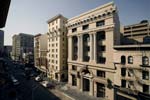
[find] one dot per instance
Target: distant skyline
(30, 16)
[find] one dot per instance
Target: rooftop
(55, 17)
(100, 7)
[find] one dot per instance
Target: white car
(48, 85)
(38, 78)
(15, 81)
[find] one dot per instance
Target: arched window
(145, 60)
(130, 60)
(123, 59)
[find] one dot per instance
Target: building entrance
(86, 84)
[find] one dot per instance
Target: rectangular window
(101, 60)
(145, 75)
(74, 30)
(84, 27)
(123, 83)
(100, 23)
(123, 72)
(102, 48)
(101, 73)
(74, 67)
(145, 88)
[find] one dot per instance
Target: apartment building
(137, 33)
(1, 42)
(91, 37)
(40, 52)
(57, 48)
(132, 76)
(22, 48)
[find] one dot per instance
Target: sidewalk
(66, 93)
(76, 95)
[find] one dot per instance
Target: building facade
(137, 33)
(57, 48)
(1, 42)
(91, 37)
(40, 52)
(132, 76)
(7, 51)
(22, 49)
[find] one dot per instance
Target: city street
(27, 89)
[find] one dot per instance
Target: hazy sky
(30, 16)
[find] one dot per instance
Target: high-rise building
(1, 42)
(40, 52)
(91, 37)
(57, 48)
(22, 49)
(137, 33)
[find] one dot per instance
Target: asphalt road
(28, 89)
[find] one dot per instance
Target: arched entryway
(86, 76)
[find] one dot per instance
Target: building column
(70, 48)
(91, 87)
(79, 48)
(81, 83)
(95, 50)
(91, 47)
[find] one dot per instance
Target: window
(100, 90)
(74, 30)
(100, 23)
(145, 75)
(123, 59)
(84, 27)
(145, 88)
(123, 83)
(101, 73)
(101, 60)
(74, 67)
(130, 60)
(123, 72)
(74, 80)
(145, 60)
(102, 48)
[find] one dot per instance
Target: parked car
(14, 80)
(38, 78)
(48, 85)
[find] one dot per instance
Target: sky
(30, 16)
